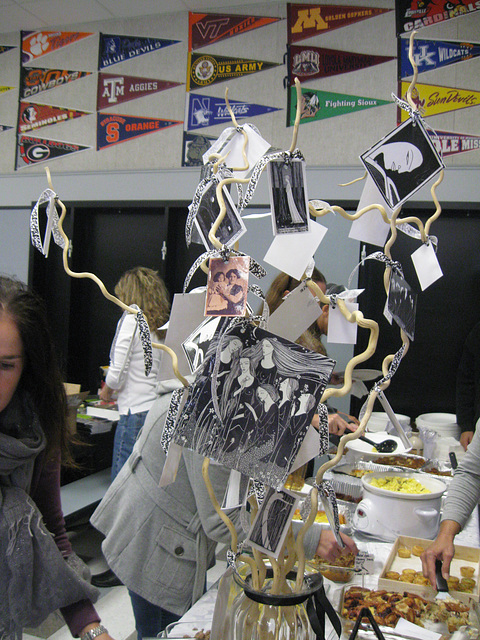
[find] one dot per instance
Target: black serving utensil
(453, 460)
(442, 585)
(386, 446)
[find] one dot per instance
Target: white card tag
(386, 312)
(310, 449)
(340, 331)
(364, 563)
(297, 312)
(426, 265)
(221, 604)
(231, 142)
(370, 227)
(170, 467)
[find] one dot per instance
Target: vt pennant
(114, 48)
(113, 129)
(204, 69)
(207, 28)
(206, 111)
(114, 89)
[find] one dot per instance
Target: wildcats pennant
(113, 129)
(204, 70)
(318, 105)
(32, 150)
(194, 146)
(114, 89)
(39, 43)
(449, 143)
(35, 80)
(433, 54)
(207, 28)
(432, 99)
(33, 116)
(306, 62)
(308, 20)
(415, 14)
(206, 111)
(113, 49)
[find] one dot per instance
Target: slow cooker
(389, 514)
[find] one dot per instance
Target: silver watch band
(93, 633)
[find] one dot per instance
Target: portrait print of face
(227, 286)
(402, 162)
(288, 196)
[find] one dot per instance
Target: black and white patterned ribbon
(322, 411)
(325, 489)
(397, 358)
(410, 230)
(381, 257)
(49, 197)
(225, 252)
(146, 340)
(172, 413)
(259, 490)
(406, 106)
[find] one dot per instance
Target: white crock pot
(389, 514)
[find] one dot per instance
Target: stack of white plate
(446, 438)
(445, 424)
(379, 421)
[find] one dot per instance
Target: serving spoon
(387, 446)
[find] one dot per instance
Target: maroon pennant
(207, 28)
(32, 116)
(113, 89)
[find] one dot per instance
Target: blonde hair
(145, 288)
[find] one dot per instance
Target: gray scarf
(34, 577)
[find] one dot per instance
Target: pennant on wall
(206, 111)
(4, 89)
(114, 89)
(305, 62)
(207, 28)
(318, 105)
(4, 127)
(32, 150)
(433, 99)
(113, 48)
(113, 129)
(433, 54)
(413, 14)
(204, 69)
(4, 48)
(33, 80)
(39, 43)
(449, 143)
(33, 116)
(193, 148)
(308, 20)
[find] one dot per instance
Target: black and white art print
(402, 162)
(227, 286)
(402, 304)
(196, 345)
(272, 521)
(232, 226)
(252, 402)
(288, 196)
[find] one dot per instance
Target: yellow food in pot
(399, 485)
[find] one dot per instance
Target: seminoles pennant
(308, 20)
(33, 80)
(305, 62)
(39, 43)
(113, 49)
(413, 14)
(194, 146)
(433, 54)
(432, 99)
(206, 111)
(113, 129)
(449, 143)
(6, 127)
(114, 89)
(207, 28)
(318, 105)
(33, 116)
(32, 150)
(204, 70)
(4, 48)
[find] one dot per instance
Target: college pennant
(206, 111)
(193, 148)
(114, 48)
(33, 80)
(433, 99)
(305, 62)
(318, 105)
(207, 28)
(433, 54)
(114, 89)
(5, 127)
(4, 89)
(205, 69)
(308, 20)
(413, 14)
(32, 150)
(113, 129)
(33, 116)
(4, 48)
(39, 43)
(449, 143)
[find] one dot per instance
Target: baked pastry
(417, 550)
(406, 577)
(409, 571)
(392, 575)
(404, 552)
(467, 572)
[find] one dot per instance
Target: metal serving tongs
(393, 419)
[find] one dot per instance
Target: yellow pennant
(432, 99)
(3, 89)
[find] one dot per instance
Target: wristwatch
(93, 633)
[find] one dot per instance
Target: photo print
(252, 402)
(232, 226)
(402, 304)
(288, 196)
(227, 286)
(271, 523)
(196, 345)
(402, 162)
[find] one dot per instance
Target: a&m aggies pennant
(206, 111)
(39, 43)
(34, 116)
(449, 143)
(114, 89)
(433, 54)
(204, 70)
(113, 129)
(432, 99)
(113, 49)
(207, 28)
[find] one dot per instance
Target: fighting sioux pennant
(433, 54)
(114, 48)
(207, 28)
(413, 14)
(433, 99)
(31, 151)
(34, 80)
(206, 111)
(308, 20)
(39, 43)
(114, 89)
(113, 129)
(204, 70)
(449, 143)
(33, 116)
(305, 62)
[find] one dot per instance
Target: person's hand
(105, 393)
(329, 549)
(94, 625)
(337, 425)
(442, 549)
(465, 439)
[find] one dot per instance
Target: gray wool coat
(161, 541)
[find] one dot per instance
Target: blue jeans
(150, 619)
(125, 436)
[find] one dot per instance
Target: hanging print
(227, 286)
(288, 196)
